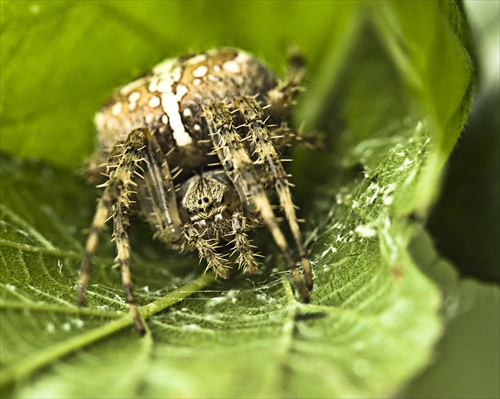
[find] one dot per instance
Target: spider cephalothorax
(196, 142)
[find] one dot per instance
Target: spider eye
(199, 201)
(205, 200)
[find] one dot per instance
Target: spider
(196, 143)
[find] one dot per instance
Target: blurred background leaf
(472, 185)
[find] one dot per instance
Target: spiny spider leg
(261, 143)
(125, 161)
(238, 165)
(100, 219)
(121, 223)
(207, 249)
(242, 244)
(282, 96)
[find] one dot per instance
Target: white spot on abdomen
(200, 71)
(170, 104)
(117, 109)
(134, 96)
(154, 101)
(132, 100)
(196, 59)
(231, 67)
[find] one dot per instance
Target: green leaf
(471, 190)
(389, 85)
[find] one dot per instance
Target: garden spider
(196, 143)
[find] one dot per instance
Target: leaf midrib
(43, 358)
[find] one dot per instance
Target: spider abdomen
(169, 101)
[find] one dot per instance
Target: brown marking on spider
(196, 142)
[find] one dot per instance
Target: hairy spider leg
(296, 64)
(125, 162)
(281, 98)
(121, 223)
(261, 143)
(242, 244)
(238, 165)
(207, 249)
